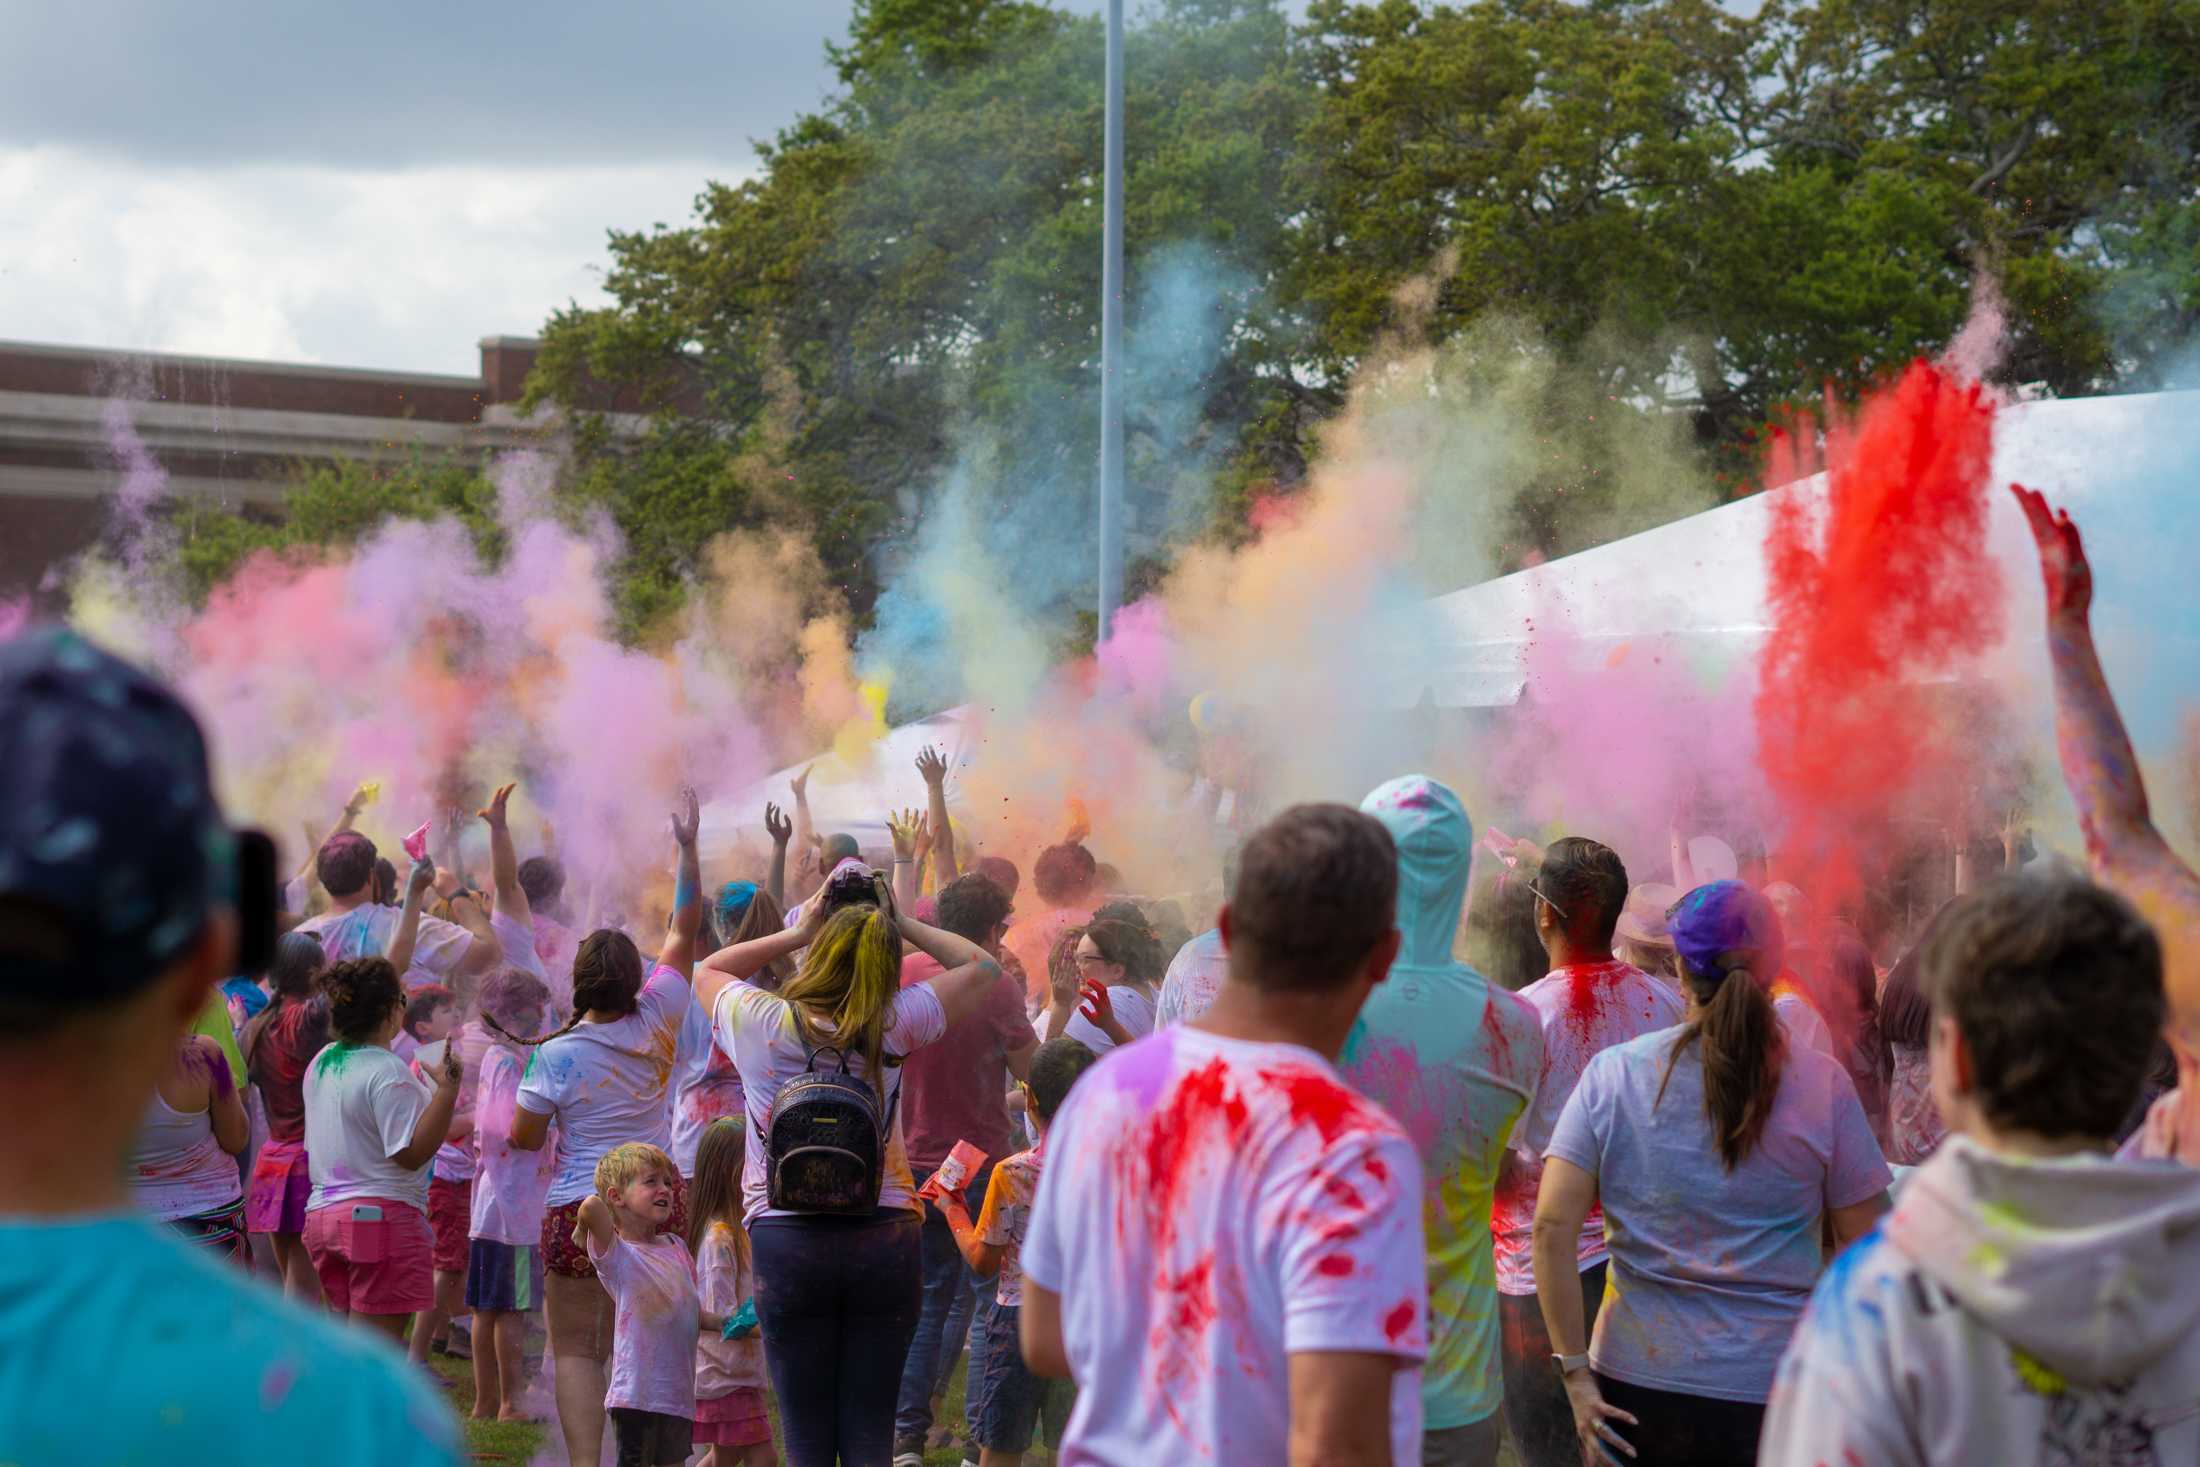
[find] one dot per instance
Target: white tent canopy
(1697, 586)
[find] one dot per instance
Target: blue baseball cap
(1726, 925)
(113, 851)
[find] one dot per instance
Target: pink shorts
(382, 1262)
(736, 1419)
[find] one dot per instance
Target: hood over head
(1435, 841)
(2088, 1265)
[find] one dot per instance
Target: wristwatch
(1568, 1364)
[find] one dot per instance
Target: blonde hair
(714, 1198)
(622, 1166)
(850, 977)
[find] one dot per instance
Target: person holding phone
(372, 1128)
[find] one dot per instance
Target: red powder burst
(1889, 587)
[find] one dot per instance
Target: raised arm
(687, 890)
(511, 897)
(805, 832)
(407, 935)
(933, 767)
(777, 826)
(2127, 853)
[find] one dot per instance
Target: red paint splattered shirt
(1210, 1207)
(1586, 1008)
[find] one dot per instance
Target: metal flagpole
(1111, 337)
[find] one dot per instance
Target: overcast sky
(363, 184)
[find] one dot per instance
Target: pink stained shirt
(1585, 1009)
(957, 1089)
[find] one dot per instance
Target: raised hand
(778, 826)
(454, 1067)
(2063, 564)
(687, 820)
(363, 796)
(493, 812)
(903, 828)
(423, 876)
(932, 766)
(921, 835)
(800, 784)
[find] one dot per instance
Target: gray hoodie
(2007, 1312)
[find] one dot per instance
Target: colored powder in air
(1881, 593)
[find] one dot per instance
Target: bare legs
(579, 1315)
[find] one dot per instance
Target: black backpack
(825, 1148)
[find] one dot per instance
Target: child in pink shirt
(627, 1229)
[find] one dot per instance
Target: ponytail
(849, 978)
(1742, 1050)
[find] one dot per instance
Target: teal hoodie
(1455, 1059)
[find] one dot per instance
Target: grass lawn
(517, 1442)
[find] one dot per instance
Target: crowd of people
(1683, 1179)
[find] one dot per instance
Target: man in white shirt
(357, 926)
(1226, 1250)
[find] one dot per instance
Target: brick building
(231, 432)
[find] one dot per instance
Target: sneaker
(908, 1451)
(909, 1459)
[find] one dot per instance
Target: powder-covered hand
(2062, 554)
(777, 825)
(740, 1323)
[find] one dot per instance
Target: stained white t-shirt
(657, 1323)
(606, 1083)
(511, 1186)
(1584, 1009)
(1802, 1023)
(1195, 977)
(361, 1104)
(1711, 1269)
(705, 1087)
(365, 932)
(517, 938)
(1210, 1207)
(758, 1030)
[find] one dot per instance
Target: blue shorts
(503, 1276)
(1005, 1399)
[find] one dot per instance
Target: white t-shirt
(361, 1104)
(657, 1323)
(1710, 1268)
(1802, 1024)
(705, 1087)
(723, 1365)
(1195, 976)
(606, 1083)
(365, 932)
(1584, 1009)
(1208, 1208)
(757, 1029)
(511, 1185)
(517, 938)
(1133, 1010)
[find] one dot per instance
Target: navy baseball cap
(1726, 917)
(113, 851)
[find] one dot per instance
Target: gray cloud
(361, 84)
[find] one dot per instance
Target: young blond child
(1005, 1398)
(626, 1229)
(730, 1414)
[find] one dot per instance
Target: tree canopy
(1712, 216)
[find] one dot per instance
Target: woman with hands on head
(838, 1292)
